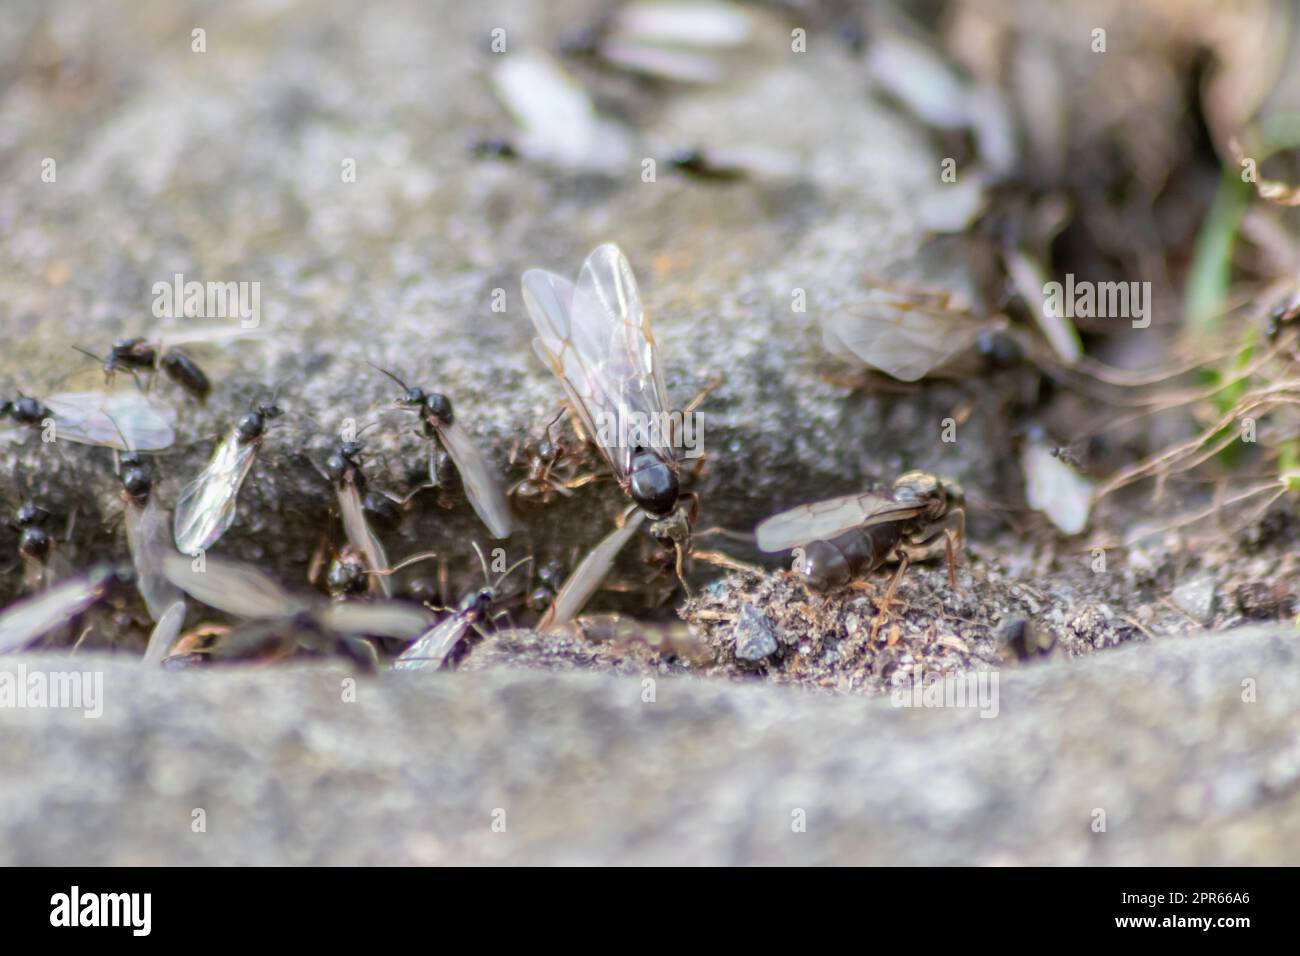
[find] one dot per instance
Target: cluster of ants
(595, 337)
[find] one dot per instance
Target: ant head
(253, 425)
(34, 542)
(438, 407)
(137, 480)
(478, 602)
(549, 450)
(30, 514)
(652, 483)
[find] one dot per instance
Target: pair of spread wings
(596, 338)
(826, 519)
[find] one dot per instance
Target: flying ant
(841, 539)
(440, 422)
(435, 646)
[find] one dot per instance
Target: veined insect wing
(481, 486)
(206, 507)
(149, 542)
(431, 648)
(586, 577)
(826, 519)
(362, 537)
(125, 420)
(905, 336)
(164, 634)
(27, 620)
(233, 587)
(393, 619)
(597, 340)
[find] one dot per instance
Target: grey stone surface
(1157, 736)
(226, 166)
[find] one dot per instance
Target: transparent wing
(362, 537)
(206, 506)
(586, 577)
(163, 637)
(205, 334)
(675, 41)
(24, 621)
(597, 339)
(677, 65)
(233, 587)
(684, 24)
(481, 487)
(558, 122)
(825, 519)
(543, 99)
(147, 537)
(126, 420)
(376, 619)
(904, 336)
(431, 648)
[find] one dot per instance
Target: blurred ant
(543, 481)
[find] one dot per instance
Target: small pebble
(755, 639)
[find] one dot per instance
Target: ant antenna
(482, 561)
(405, 563)
(385, 371)
(506, 573)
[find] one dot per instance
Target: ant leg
(576, 421)
(882, 612)
(404, 499)
(718, 559)
(579, 482)
(949, 537)
(712, 386)
(681, 552)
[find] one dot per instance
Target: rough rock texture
(586, 770)
(228, 165)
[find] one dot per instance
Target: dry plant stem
(1163, 403)
(1285, 393)
(1197, 516)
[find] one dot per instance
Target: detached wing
(127, 421)
(825, 519)
(598, 341)
(904, 336)
(558, 121)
